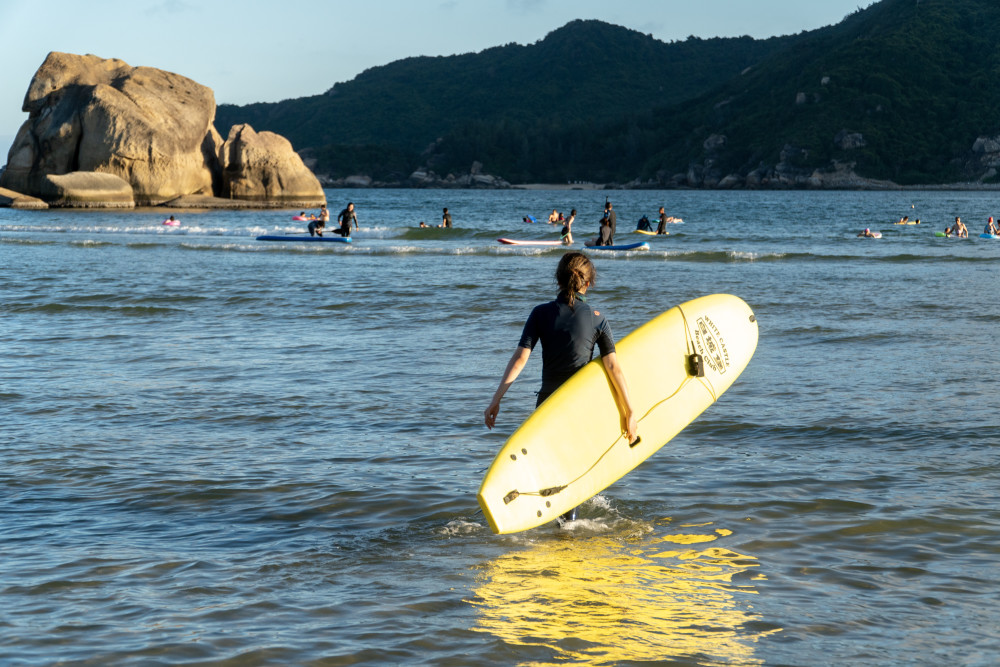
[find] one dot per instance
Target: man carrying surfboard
(568, 328)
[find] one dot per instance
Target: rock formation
(263, 166)
(152, 129)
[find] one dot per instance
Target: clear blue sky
(257, 51)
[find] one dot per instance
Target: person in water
(867, 233)
(446, 219)
(345, 218)
(662, 227)
(605, 236)
(554, 217)
(991, 227)
(958, 229)
(569, 328)
(567, 231)
(609, 213)
(316, 227)
(643, 225)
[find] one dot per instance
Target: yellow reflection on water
(598, 599)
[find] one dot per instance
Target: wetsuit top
(568, 338)
(446, 220)
(612, 220)
(345, 218)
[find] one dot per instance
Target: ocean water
(223, 451)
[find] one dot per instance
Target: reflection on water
(604, 599)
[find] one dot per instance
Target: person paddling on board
(345, 218)
(568, 328)
(867, 233)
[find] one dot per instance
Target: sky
(266, 51)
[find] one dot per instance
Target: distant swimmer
(991, 227)
(868, 233)
(905, 220)
(172, 222)
(567, 231)
(423, 225)
(446, 220)
(345, 218)
(958, 229)
(530, 219)
(555, 217)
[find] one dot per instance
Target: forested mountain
(903, 90)
(581, 75)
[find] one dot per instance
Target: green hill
(901, 90)
(585, 74)
(916, 79)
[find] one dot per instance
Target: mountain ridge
(903, 91)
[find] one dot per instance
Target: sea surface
(221, 451)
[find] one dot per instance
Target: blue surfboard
(304, 238)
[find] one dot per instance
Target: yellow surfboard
(573, 446)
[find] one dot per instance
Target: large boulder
(147, 126)
(11, 199)
(151, 128)
(87, 189)
(263, 166)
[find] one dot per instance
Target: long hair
(573, 274)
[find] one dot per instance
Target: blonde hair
(574, 273)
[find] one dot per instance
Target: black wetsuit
(568, 338)
(345, 218)
(605, 236)
(612, 219)
(446, 220)
(662, 227)
(316, 228)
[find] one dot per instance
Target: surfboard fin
(696, 365)
(510, 496)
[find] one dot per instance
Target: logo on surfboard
(710, 345)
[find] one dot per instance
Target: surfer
(643, 225)
(991, 227)
(316, 227)
(662, 227)
(445, 219)
(568, 328)
(609, 213)
(567, 231)
(345, 218)
(867, 233)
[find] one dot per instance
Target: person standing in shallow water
(345, 218)
(446, 219)
(569, 328)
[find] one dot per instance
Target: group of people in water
(605, 235)
(607, 226)
(318, 222)
(958, 229)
